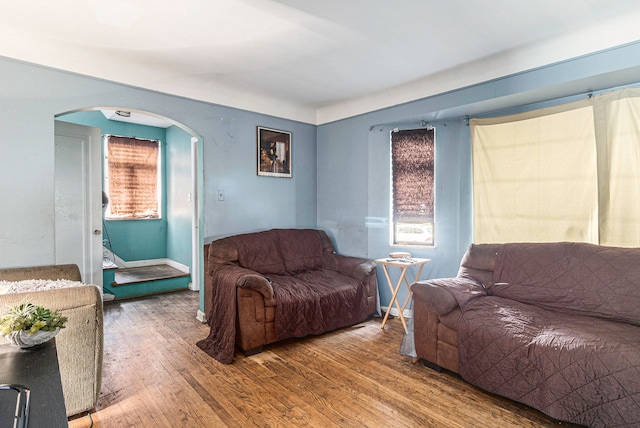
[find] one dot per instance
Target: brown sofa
(80, 343)
(272, 285)
(555, 326)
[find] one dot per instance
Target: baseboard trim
(141, 263)
(407, 313)
(201, 317)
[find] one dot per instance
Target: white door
(78, 199)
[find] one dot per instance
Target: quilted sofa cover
(555, 326)
(276, 284)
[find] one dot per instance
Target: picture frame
(274, 152)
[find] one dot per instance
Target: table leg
(410, 294)
(403, 277)
(389, 284)
(394, 296)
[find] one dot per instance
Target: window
(563, 173)
(412, 187)
(132, 178)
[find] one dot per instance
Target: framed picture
(274, 152)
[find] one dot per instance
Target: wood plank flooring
(155, 376)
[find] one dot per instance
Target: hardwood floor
(155, 376)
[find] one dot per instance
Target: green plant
(30, 318)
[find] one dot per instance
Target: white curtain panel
(535, 176)
(618, 141)
(563, 173)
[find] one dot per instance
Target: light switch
(220, 195)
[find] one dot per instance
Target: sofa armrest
(446, 294)
(436, 297)
(245, 278)
(259, 283)
(355, 267)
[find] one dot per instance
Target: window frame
(394, 224)
(108, 216)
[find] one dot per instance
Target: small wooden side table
(404, 265)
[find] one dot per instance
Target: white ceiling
(309, 60)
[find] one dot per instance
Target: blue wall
(255, 202)
(32, 96)
(338, 168)
(354, 195)
(354, 166)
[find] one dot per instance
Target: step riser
(142, 288)
(149, 287)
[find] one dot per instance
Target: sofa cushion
(31, 285)
(301, 249)
(479, 262)
(572, 367)
(313, 302)
(221, 251)
(571, 277)
(260, 252)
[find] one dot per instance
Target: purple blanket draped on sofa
(220, 343)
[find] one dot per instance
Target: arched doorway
(182, 216)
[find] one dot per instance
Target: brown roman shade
(133, 177)
(412, 168)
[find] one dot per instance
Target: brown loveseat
(272, 285)
(555, 326)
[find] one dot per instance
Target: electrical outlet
(220, 195)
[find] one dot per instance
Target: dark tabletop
(37, 369)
